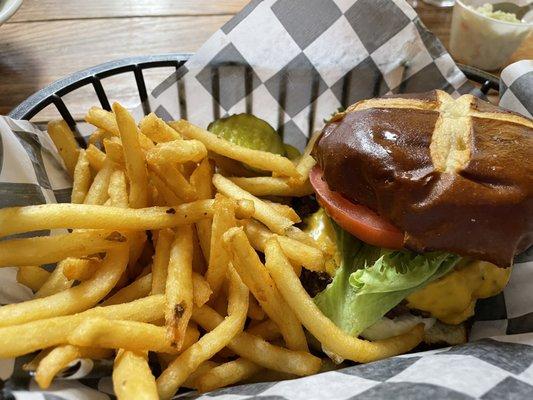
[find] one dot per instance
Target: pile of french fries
(166, 227)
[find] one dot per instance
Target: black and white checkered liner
(516, 86)
(293, 62)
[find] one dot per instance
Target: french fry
(211, 343)
(267, 330)
(106, 120)
(32, 276)
(254, 274)
(270, 186)
(179, 288)
(304, 166)
(175, 181)
(129, 335)
(34, 363)
(190, 382)
(132, 377)
(118, 189)
(80, 269)
(98, 136)
(226, 374)
(201, 180)
(134, 157)
(135, 290)
(168, 195)
(96, 157)
(158, 130)
(115, 151)
(177, 151)
(72, 300)
(260, 351)
(65, 143)
(97, 193)
(332, 337)
(302, 254)
(60, 357)
(223, 219)
(79, 216)
(255, 311)
(81, 179)
(254, 158)
(284, 210)
(56, 282)
(49, 249)
(229, 167)
(21, 339)
(263, 212)
(161, 259)
(201, 290)
(199, 263)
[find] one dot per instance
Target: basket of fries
(154, 257)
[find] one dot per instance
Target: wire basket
(53, 94)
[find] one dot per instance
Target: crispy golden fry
(267, 330)
(60, 357)
(158, 130)
(302, 254)
(136, 242)
(132, 377)
(304, 166)
(106, 120)
(168, 195)
(226, 374)
(201, 289)
(32, 276)
(223, 219)
(179, 288)
(256, 277)
(96, 157)
(211, 343)
(270, 186)
(81, 179)
(65, 143)
(98, 136)
(21, 339)
(254, 158)
(135, 290)
(129, 335)
(284, 210)
(72, 300)
(56, 282)
(80, 269)
(299, 235)
(134, 157)
(79, 216)
(255, 311)
(49, 249)
(260, 351)
(118, 189)
(332, 337)
(190, 382)
(175, 181)
(115, 151)
(98, 191)
(177, 151)
(199, 263)
(161, 259)
(263, 212)
(201, 180)
(34, 363)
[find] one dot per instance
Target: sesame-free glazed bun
(454, 174)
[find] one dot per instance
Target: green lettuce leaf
(370, 281)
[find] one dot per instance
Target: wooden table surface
(49, 39)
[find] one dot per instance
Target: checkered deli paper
(292, 63)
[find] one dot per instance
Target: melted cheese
(319, 227)
(452, 298)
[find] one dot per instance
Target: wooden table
(48, 39)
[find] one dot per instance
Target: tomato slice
(357, 219)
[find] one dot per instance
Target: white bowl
(8, 8)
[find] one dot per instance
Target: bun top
(454, 174)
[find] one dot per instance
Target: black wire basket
(54, 93)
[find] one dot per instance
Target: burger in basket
(425, 200)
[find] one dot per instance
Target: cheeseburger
(425, 200)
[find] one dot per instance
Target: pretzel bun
(454, 174)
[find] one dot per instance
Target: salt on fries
(166, 224)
